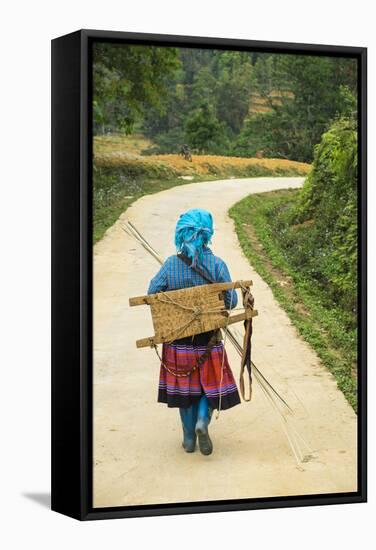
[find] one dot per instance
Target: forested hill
(221, 102)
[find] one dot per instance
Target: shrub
(329, 200)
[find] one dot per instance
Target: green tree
(203, 130)
(126, 81)
(167, 128)
(303, 95)
(235, 81)
(203, 88)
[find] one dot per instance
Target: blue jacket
(175, 274)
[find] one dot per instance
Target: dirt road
(138, 458)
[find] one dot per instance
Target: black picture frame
(72, 276)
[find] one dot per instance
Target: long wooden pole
(296, 441)
(131, 230)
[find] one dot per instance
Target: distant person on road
(185, 152)
(195, 375)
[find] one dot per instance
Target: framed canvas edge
(65, 274)
(84, 423)
(225, 43)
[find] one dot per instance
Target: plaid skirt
(182, 391)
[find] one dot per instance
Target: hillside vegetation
(304, 244)
(225, 103)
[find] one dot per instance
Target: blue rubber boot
(202, 425)
(188, 419)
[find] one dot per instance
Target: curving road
(138, 458)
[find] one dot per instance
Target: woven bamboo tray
(189, 311)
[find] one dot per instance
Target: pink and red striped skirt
(183, 391)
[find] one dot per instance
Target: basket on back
(189, 311)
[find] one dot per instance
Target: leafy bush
(205, 132)
(329, 202)
(286, 256)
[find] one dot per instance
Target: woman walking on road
(195, 375)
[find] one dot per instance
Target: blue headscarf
(194, 230)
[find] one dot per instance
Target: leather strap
(248, 300)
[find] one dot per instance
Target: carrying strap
(246, 356)
(246, 362)
(198, 270)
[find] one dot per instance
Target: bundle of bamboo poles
(299, 446)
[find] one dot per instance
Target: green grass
(115, 190)
(267, 239)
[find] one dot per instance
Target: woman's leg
(203, 420)
(189, 419)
